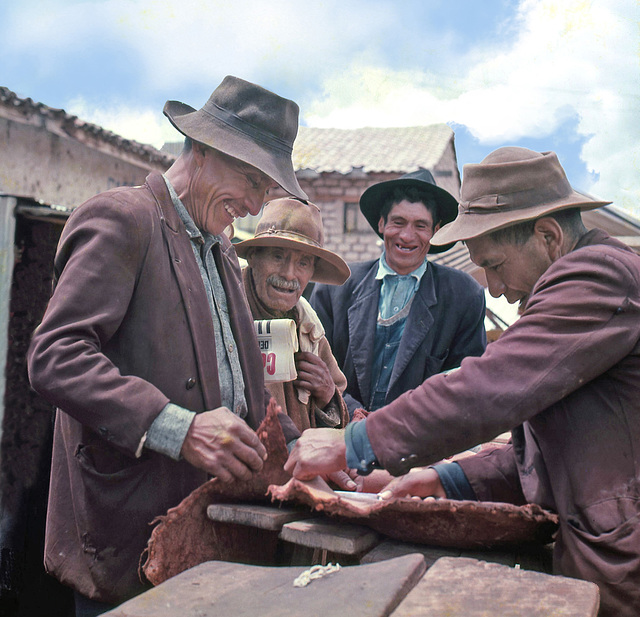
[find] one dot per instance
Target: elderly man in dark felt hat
(286, 253)
(400, 318)
(565, 379)
(147, 347)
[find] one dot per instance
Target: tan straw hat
(509, 186)
(294, 224)
(247, 122)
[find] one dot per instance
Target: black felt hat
(374, 197)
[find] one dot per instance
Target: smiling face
(280, 275)
(407, 234)
(512, 270)
(222, 188)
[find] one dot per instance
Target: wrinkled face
(512, 270)
(223, 188)
(280, 275)
(407, 235)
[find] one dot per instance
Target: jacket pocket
(114, 505)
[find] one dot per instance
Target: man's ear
(549, 232)
(436, 227)
(199, 151)
(381, 225)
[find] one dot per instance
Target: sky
(547, 75)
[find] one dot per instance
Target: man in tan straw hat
(147, 347)
(565, 379)
(287, 253)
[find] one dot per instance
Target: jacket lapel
(192, 289)
(362, 316)
(419, 322)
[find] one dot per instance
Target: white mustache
(278, 281)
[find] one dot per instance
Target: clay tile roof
(72, 125)
(393, 150)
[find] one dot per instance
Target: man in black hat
(400, 318)
(147, 347)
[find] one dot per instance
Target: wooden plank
(217, 588)
(462, 587)
(262, 517)
(334, 536)
(537, 558)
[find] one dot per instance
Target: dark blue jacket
(445, 324)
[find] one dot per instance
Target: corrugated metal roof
(398, 149)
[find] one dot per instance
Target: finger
(250, 438)
(386, 494)
(247, 455)
(236, 469)
(342, 479)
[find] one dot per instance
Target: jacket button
(191, 382)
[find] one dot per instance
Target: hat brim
(372, 199)
(330, 267)
(206, 129)
(469, 225)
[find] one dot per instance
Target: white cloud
(574, 58)
(568, 59)
(146, 126)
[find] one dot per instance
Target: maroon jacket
(566, 379)
(127, 330)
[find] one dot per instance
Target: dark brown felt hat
(511, 185)
(247, 122)
(294, 224)
(372, 199)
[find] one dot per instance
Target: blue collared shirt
(396, 296)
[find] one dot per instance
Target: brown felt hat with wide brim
(294, 224)
(373, 198)
(509, 186)
(246, 122)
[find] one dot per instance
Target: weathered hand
(318, 452)
(314, 375)
(222, 444)
(342, 480)
(371, 483)
(420, 482)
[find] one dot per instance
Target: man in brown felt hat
(565, 379)
(287, 253)
(147, 347)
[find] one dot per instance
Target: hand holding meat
(318, 452)
(418, 483)
(222, 444)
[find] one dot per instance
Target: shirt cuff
(359, 454)
(168, 431)
(454, 482)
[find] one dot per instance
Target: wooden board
(333, 536)
(462, 587)
(262, 517)
(528, 557)
(218, 588)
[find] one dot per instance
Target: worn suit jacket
(127, 330)
(444, 325)
(566, 378)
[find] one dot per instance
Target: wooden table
(381, 577)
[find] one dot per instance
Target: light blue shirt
(397, 289)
